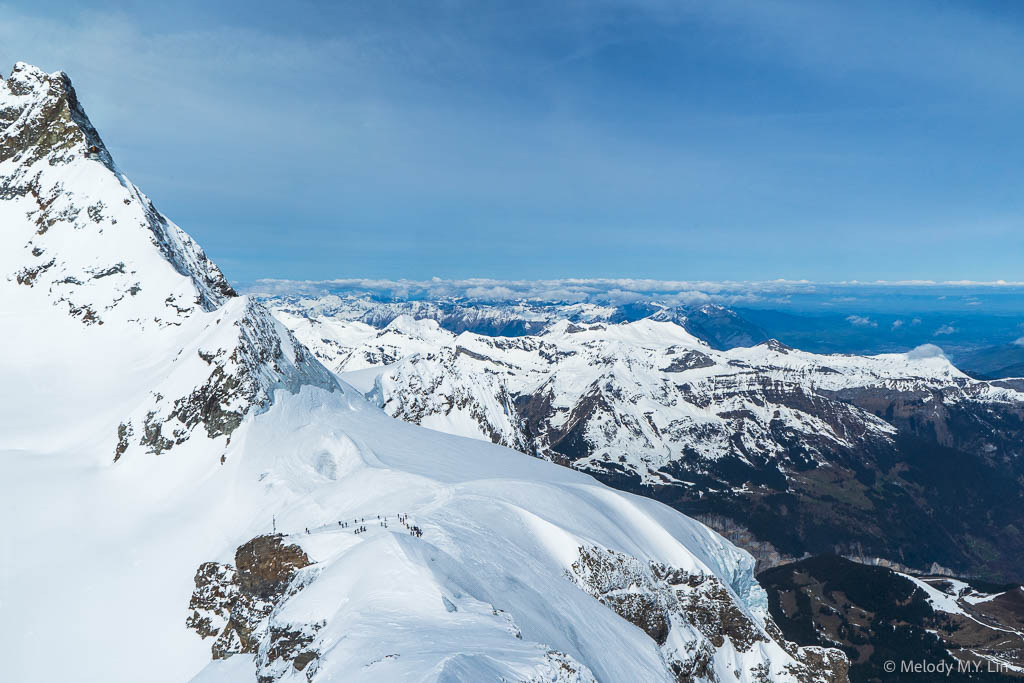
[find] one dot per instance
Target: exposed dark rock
(689, 360)
(116, 269)
(241, 379)
(152, 435)
(27, 275)
(235, 604)
(124, 432)
(658, 598)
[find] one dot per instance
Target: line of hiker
(382, 521)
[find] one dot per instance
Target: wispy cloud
(861, 321)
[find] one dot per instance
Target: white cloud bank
(925, 351)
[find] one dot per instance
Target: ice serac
(79, 237)
(233, 556)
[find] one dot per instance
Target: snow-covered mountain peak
(26, 79)
(422, 327)
(645, 333)
(75, 231)
(85, 256)
(290, 531)
(40, 114)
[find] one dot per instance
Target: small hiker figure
(307, 530)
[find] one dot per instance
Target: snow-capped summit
(85, 256)
(76, 229)
(423, 327)
(189, 494)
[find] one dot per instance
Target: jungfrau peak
(193, 496)
(81, 239)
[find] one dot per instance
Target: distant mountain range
(785, 451)
(982, 344)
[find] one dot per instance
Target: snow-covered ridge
(178, 469)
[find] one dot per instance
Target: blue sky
(649, 139)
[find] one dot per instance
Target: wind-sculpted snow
(184, 481)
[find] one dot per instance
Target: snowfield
(183, 482)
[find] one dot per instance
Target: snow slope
(180, 474)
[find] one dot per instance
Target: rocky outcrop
(237, 374)
(692, 616)
(562, 668)
(235, 605)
